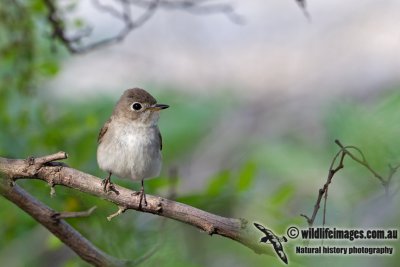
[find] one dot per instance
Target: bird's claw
(108, 186)
(142, 199)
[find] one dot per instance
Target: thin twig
(107, 9)
(392, 171)
(361, 161)
(46, 159)
(199, 7)
(129, 25)
(324, 210)
(323, 192)
(74, 46)
(303, 6)
(121, 209)
(73, 214)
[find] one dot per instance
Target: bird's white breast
(130, 151)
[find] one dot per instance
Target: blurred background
(257, 99)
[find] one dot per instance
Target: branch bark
(66, 233)
(56, 173)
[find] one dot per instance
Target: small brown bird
(130, 143)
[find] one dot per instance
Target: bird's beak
(157, 107)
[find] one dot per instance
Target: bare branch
(61, 229)
(199, 7)
(392, 171)
(46, 159)
(107, 9)
(323, 192)
(73, 214)
(74, 46)
(303, 6)
(235, 229)
(121, 209)
(361, 161)
(129, 24)
(196, 7)
(57, 26)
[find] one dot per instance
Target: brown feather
(160, 139)
(103, 131)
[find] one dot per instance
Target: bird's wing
(159, 138)
(103, 131)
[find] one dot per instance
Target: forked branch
(122, 11)
(56, 173)
(360, 159)
(56, 225)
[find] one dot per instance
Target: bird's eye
(136, 106)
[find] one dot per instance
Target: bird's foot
(142, 198)
(108, 186)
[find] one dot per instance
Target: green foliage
(282, 195)
(278, 180)
(219, 184)
(373, 127)
(269, 186)
(246, 177)
(187, 120)
(33, 126)
(24, 53)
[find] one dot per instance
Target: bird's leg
(108, 185)
(106, 182)
(142, 196)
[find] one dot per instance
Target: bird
(130, 142)
(270, 237)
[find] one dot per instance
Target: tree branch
(324, 190)
(61, 229)
(56, 173)
(76, 214)
(130, 22)
(303, 6)
(198, 7)
(343, 152)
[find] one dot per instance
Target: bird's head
(138, 106)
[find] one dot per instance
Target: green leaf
(37, 6)
(281, 196)
(246, 176)
(218, 183)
